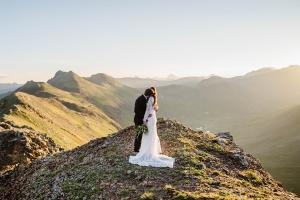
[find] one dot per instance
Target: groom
(139, 110)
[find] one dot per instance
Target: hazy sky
(146, 37)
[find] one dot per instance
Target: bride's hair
(154, 95)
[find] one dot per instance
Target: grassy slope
(67, 118)
(100, 170)
(73, 112)
(277, 144)
(113, 98)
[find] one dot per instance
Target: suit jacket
(140, 109)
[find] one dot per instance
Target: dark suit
(139, 110)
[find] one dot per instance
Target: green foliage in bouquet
(141, 129)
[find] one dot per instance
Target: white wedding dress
(150, 151)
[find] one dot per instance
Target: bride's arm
(156, 107)
(148, 109)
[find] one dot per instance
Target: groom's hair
(148, 92)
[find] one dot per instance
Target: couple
(147, 142)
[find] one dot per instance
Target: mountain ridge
(67, 81)
(136, 82)
(100, 90)
(101, 78)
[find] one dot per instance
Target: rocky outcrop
(22, 145)
(207, 166)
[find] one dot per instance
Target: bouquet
(141, 129)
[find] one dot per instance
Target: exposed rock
(4, 125)
(241, 158)
(225, 136)
(22, 145)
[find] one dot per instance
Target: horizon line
(157, 78)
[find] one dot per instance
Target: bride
(150, 151)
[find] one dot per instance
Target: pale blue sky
(146, 37)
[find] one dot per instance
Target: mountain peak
(172, 77)
(260, 71)
(32, 87)
(67, 81)
(292, 68)
(101, 79)
(60, 72)
(211, 80)
(207, 166)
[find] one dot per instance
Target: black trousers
(138, 139)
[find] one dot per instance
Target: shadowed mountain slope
(221, 103)
(277, 144)
(4, 94)
(207, 166)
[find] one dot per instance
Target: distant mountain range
(260, 108)
(136, 82)
(6, 88)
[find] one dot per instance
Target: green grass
(185, 195)
(113, 98)
(253, 177)
(97, 171)
(67, 118)
(147, 196)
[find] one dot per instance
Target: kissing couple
(147, 143)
